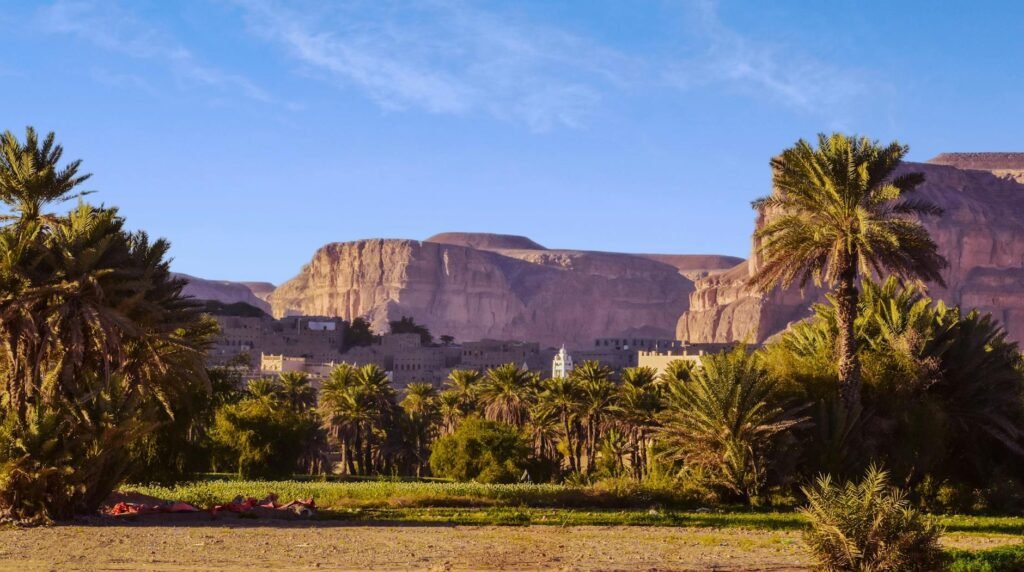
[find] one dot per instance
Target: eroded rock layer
(475, 286)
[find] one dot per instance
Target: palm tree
(449, 409)
(637, 406)
(420, 406)
(344, 414)
(506, 394)
(837, 211)
(641, 376)
(561, 396)
(263, 389)
(597, 394)
(464, 382)
(93, 328)
(296, 390)
(376, 396)
(676, 371)
(30, 176)
(726, 419)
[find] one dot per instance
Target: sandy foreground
(262, 545)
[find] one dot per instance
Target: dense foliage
(483, 451)
(942, 397)
(97, 344)
(271, 431)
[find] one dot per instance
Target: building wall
(487, 354)
(313, 337)
(660, 360)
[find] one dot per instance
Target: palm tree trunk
(846, 346)
(568, 444)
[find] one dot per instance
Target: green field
(558, 505)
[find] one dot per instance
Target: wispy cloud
(108, 26)
(446, 57)
(761, 69)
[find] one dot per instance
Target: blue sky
(250, 132)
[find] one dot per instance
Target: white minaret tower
(561, 366)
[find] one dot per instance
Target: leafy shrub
(481, 450)
(868, 526)
(264, 438)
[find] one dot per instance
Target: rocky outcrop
(476, 286)
(222, 291)
(981, 234)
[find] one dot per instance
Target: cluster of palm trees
(568, 419)
(96, 341)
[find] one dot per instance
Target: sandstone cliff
(223, 291)
(475, 286)
(981, 235)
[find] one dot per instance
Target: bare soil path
(237, 545)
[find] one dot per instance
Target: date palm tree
(464, 382)
(450, 411)
(31, 177)
(726, 420)
(561, 396)
(420, 405)
(597, 394)
(296, 390)
(838, 211)
(506, 393)
(94, 331)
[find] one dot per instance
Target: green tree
(637, 406)
(506, 394)
(450, 411)
(597, 395)
(943, 387)
(296, 390)
(837, 211)
(726, 420)
(264, 435)
(358, 405)
(869, 526)
(562, 397)
(481, 450)
(97, 344)
(420, 406)
(465, 383)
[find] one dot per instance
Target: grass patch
(543, 504)
(1002, 559)
(397, 494)
(524, 516)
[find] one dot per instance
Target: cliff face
(981, 234)
(223, 291)
(475, 286)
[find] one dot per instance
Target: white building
(561, 366)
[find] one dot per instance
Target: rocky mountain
(981, 234)
(475, 285)
(225, 291)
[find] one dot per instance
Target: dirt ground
(236, 545)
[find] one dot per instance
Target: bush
(868, 526)
(481, 450)
(264, 438)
